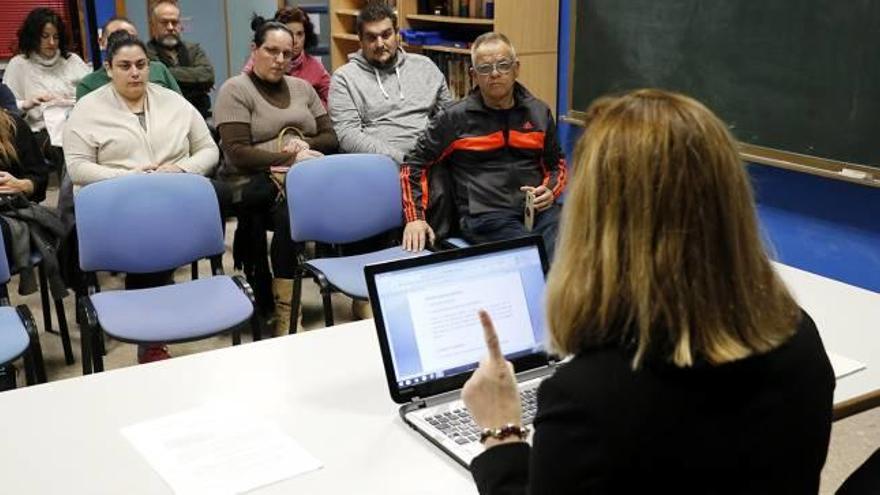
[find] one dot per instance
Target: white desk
(848, 319)
(326, 389)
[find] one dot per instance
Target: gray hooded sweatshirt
(384, 110)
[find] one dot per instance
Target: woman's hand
(38, 99)
(9, 184)
(168, 168)
(307, 155)
(295, 146)
(491, 394)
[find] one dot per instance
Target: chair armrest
(453, 243)
(34, 347)
(27, 319)
(245, 287)
(87, 313)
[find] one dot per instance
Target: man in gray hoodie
(383, 98)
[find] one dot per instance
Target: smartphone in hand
(529, 211)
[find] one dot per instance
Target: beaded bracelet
(505, 431)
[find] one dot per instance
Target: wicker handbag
(278, 174)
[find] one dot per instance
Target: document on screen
(447, 328)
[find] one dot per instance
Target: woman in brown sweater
(251, 110)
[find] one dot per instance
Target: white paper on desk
(218, 449)
(55, 116)
(844, 366)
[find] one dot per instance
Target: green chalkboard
(801, 76)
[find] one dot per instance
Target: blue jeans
(502, 225)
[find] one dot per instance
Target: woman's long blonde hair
(659, 247)
(8, 154)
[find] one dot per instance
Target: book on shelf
(458, 8)
(456, 69)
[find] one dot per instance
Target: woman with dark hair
(692, 369)
(303, 65)
(134, 126)
(251, 110)
(44, 70)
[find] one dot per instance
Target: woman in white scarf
(44, 70)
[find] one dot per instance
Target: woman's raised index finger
(491, 336)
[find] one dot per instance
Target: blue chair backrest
(4, 261)
(147, 223)
(343, 198)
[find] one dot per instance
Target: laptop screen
(429, 311)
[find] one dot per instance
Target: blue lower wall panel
(825, 226)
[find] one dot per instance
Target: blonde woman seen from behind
(693, 370)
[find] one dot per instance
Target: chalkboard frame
(825, 167)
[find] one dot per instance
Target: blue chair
(153, 223)
(342, 199)
(18, 331)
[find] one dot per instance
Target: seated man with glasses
(500, 146)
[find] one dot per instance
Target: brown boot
(282, 288)
(361, 310)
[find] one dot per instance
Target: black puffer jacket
(489, 153)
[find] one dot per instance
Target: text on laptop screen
(430, 312)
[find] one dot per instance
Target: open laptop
(425, 309)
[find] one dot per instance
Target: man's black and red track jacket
(490, 155)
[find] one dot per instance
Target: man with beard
(187, 62)
(382, 99)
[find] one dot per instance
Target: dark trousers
(259, 209)
(259, 203)
(502, 225)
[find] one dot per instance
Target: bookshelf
(531, 26)
(445, 19)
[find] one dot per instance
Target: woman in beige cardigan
(134, 127)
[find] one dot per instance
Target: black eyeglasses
(502, 66)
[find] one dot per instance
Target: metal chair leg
(29, 374)
(256, 321)
(44, 299)
(35, 368)
(62, 328)
(39, 364)
(85, 349)
(257, 325)
(295, 301)
(328, 306)
(98, 349)
(85, 332)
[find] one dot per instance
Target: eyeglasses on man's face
(503, 66)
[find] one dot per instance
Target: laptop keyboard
(459, 426)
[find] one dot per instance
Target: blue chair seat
(173, 313)
(13, 336)
(347, 273)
